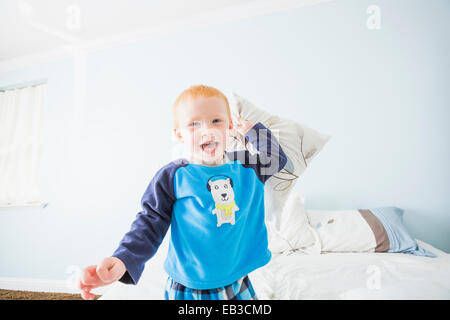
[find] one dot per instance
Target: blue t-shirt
(216, 214)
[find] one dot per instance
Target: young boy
(212, 199)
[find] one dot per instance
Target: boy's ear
(177, 134)
(230, 128)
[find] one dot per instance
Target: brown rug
(31, 295)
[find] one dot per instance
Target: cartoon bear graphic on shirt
(223, 196)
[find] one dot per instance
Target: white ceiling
(35, 26)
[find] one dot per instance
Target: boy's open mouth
(209, 146)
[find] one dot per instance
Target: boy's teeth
(209, 146)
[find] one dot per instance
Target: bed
(364, 276)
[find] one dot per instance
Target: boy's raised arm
(270, 158)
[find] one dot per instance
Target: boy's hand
(243, 126)
(106, 272)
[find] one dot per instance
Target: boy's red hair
(197, 91)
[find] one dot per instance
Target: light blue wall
(383, 96)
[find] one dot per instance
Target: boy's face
(203, 125)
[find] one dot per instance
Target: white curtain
(21, 112)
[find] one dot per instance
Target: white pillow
(342, 230)
(300, 143)
(379, 229)
(294, 232)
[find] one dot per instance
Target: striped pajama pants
(241, 289)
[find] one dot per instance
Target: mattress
(336, 276)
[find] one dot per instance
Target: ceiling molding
(222, 15)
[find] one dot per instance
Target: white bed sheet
(323, 276)
(364, 276)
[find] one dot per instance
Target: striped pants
(241, 289)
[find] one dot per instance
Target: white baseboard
(42, 285)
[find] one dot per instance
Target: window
(21, 112)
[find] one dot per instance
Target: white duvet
(355, 276)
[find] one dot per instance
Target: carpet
(31, 295)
